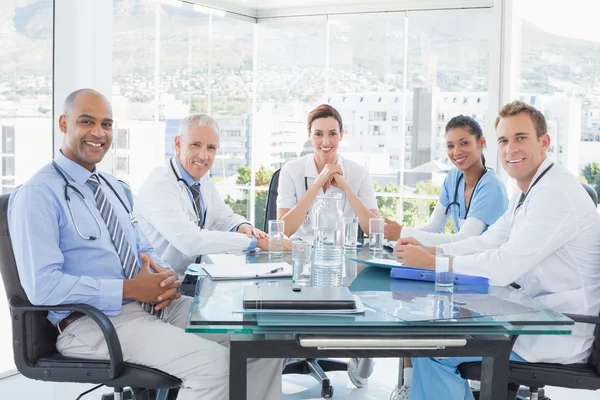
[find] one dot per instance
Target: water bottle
(328, 226)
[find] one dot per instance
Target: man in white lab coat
(548, 241)
(179, 209)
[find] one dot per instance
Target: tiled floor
(295, 387)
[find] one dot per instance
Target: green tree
(241, 206)
(591, 173)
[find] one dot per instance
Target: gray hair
(200, 120)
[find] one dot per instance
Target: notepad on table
(248, 271)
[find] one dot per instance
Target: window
(25, 110)
(8, 185)
(8, 140)
(121, 165)
(558, 71)
(377, 116)
(8, 166)
(375, 130)
(121, 139)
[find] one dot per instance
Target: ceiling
(287, 8)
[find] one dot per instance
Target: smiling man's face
(88, 128)
(520, 149)
(196, 150)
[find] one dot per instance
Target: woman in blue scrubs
(472, 194)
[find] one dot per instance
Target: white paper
(244, 271)
(383, 261)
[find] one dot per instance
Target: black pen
(273, 271)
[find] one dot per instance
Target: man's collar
(545, 164)
(185, 175)
(75, 171)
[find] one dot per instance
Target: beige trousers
(200, 361)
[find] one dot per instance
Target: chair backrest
(594, 359)
(271, 210)
(127, 191)
(592, 192)
(40, 336)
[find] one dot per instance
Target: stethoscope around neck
(455, 201)
(80, 193)
(187, 187)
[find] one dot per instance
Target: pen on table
(273, 271)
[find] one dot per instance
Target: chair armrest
(586, 319)
(108, 329)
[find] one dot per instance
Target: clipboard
(429, 276)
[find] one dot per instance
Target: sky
(570, 18)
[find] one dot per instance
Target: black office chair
(271, 210)
(316, 367)
(536, 375)
(592, 192)
(34, 341)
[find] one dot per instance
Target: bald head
(87, 124)
(86, 92)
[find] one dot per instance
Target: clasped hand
(411, 253)
(159, 287)
(331, 174)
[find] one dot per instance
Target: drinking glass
(276, 238)
(350, 233)
(301, 257)
(376, 234)
(444, 271)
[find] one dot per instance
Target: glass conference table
(401, 319)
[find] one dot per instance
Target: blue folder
(427, 275)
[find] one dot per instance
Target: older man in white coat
(548, 241)
(179, 209)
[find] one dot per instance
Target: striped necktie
(195, 189)
(129, 259)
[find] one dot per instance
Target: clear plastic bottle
(328, 227)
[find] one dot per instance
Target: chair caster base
(327, 392)
(127, 395)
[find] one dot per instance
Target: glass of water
(376, 234)
(301, 256)
(276, 238)
(444, 271)
(350, 233)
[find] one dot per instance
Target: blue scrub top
(488, 203)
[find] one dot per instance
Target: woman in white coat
(324, 172)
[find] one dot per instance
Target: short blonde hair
(518, 107)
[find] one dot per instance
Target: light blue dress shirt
(189, 180)
(488, 202)
(56, 266)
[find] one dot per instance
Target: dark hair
(518, 107)
(323, 111)
(464, 121)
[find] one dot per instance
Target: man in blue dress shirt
(90, 251)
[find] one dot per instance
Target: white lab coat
(292, 187)
(166, 216)
(553, 251)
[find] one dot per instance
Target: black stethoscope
(181, 180)
(524, 195)
(78, 192)
(456, 203)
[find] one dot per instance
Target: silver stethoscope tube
(78, 192)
